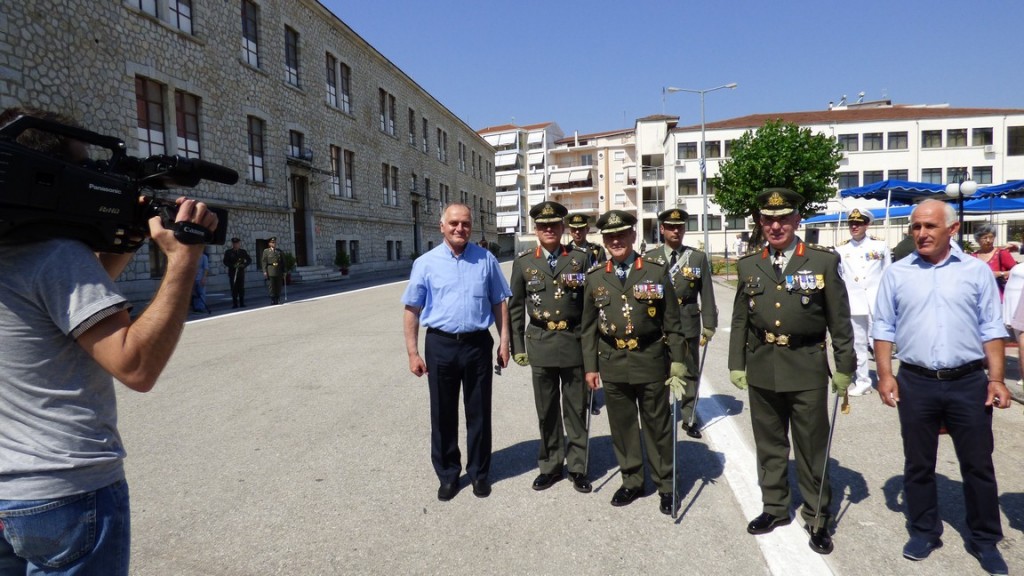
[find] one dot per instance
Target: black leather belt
(553, 325)
(945, 373)
(629, 343)
(463, 337)
(789, 340)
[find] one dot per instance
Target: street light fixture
(963, 187)
(703, 159)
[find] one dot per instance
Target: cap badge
(776, 200)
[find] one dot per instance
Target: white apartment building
(656, 164)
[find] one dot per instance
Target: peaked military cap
(548, 212)
(615, 221)
(579, 221)
(857, 216)
(236, 239)
(673, 216)
(779, 201)
(272, 239)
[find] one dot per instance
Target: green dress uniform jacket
(595, 252)
(273, 262)
(547, 306)
(807, 301)
(624, 325)
(691, 278)
(778, 336)
(545, 312)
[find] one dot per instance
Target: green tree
(778, 154)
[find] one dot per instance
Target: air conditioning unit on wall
(989, 149)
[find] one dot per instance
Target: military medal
(575, 265)
(805, 300)
(652, 311)
(819, 281)
(790, 282)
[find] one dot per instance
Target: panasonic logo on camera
(103, 188)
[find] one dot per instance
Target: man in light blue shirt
(457, 291)
(941, 308)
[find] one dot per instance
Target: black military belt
(552, 325)
(629, 343)
(463, 337)
(790, 340)
(945, 373)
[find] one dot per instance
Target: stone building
(337, 149)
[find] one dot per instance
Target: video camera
(98, 202)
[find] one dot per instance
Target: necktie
(620, 271)
(777, 264)
(673, 259)
(552, 260)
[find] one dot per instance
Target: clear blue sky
(598, 65)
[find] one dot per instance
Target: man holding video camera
(67, 335)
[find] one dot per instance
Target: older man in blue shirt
(457, 291)
(941, 309)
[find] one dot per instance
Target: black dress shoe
(595, 411)
(580, 482)
(666, 503)
(481, 488)
(446, 492)
(821, 541)
(765, 523)
(545, 481)
(625, 496)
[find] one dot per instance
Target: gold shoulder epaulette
(524, 253)
(659, 258)
(847, 241)
(597, 266)
(821, 248)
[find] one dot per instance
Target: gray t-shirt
(58, 411)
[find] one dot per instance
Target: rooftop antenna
(860, 97)
(842, 101)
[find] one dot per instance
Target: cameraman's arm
(114, 264)
(136, 352)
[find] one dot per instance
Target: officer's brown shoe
(580, 482)
(821, 541)
(765, 523)
(545, 481)
(625, 496)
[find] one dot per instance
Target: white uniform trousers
(861, 330)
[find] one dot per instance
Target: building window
(686, 150)
(180, 12)
(982, 174)
(898, 141)
(389, 181)
(619, 156)
(187, 110)
(849, 142)
(256, 129)
(398, 249)
(250, 33)
(412, 127)
(1015, 141)
(931, 139)
(473, 163)
(414, 184)
(346, 87)
(149, 105)
(387, 111)
(899, 175)
(586, 159)
(426, 195)
(955, 172)
(931, 175)
(391, 249)
(735, 222)
(335, 171)
(873, 141)
(353, 251)
(147, 6)
(872, 176)
(426, 138)
(714, 222)
(462, 157)
(693, 222)
(713, 149)
(620, 178)
(848, 180)
(291, 56)
(728, 148)
(688, 187)
(296, 143)
(349, 175)
(442, 145)
(981, 137)
(956, 138)
(332, 80)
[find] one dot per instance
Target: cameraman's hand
(189, 210)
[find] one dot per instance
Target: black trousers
(236, 279)
(925, 404)
(454, 365)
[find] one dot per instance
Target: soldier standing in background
(546, 307)
(579, 227)
(691, 277)
(236, 259)
(273, 269)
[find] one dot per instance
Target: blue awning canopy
(992, 204)
(877, 213)
(1015, 188)
(901, 191)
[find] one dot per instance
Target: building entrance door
(416, 228)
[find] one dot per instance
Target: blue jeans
(86, 534)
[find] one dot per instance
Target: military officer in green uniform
(273, 269)
(545, 312)
(579, 226)
(691, 277)
(788, 296)
(630, 323)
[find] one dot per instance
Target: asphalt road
(293, 440)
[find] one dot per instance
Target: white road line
(786, 549)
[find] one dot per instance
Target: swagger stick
(824, 471)
(675, 439)
(586, 453)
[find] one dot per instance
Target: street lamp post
(963, 187)
(703, 152)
